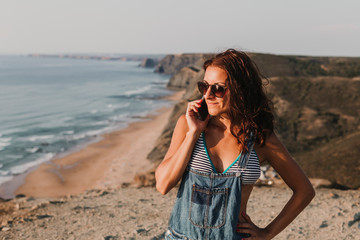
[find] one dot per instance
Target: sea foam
(24, 167)
(40, 138)
(5, 142)
(138, 91)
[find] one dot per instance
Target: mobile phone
(203, 111)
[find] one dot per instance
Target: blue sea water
(48, 106)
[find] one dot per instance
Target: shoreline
(108, 163)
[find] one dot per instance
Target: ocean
(51, 106)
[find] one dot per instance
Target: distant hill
(317, 106)
(277, 65)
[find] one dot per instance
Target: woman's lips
(209, 103)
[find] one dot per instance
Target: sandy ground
(132, 213)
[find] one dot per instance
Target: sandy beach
(107, 163)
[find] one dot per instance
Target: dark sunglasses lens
(218, 90)
(202, 87)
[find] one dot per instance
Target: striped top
(200, 161)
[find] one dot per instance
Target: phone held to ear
(203, 110)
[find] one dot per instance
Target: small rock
(5, 229)
(40, 205)
(142, 231)
(125, 184)
(320, 182)
(357, 216)
(161, 236)
(324, 224)
(104, 193)
(111, 237)
(20, 195)
(334, 195)
(290, 236)
(57, 202)
(144, 179)
(356, 219)
(43, 216)
(77, 208)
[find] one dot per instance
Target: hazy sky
(303, 27)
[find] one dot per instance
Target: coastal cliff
(172, 64)
(317, 107)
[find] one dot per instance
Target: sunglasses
(216, 89)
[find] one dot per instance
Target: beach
(108, 163)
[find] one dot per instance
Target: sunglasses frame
(212, 88)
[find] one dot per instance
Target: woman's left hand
(250, 228)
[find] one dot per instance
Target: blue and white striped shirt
(201, 161)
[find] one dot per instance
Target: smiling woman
(218, 159)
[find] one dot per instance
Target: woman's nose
(208, 93)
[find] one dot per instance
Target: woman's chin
(217, 114)
(214, 113)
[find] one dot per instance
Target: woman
(219, 158)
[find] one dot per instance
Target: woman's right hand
(187, 131)
(194, 123)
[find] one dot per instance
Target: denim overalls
(208, 204)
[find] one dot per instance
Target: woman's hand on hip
(192, 117)
(250, 228)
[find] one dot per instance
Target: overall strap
(245, 155)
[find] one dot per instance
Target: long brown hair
(250, 109)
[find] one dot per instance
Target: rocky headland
(147, 61)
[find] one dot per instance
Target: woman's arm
(171, 169)
(186, 133)
(279, 158)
